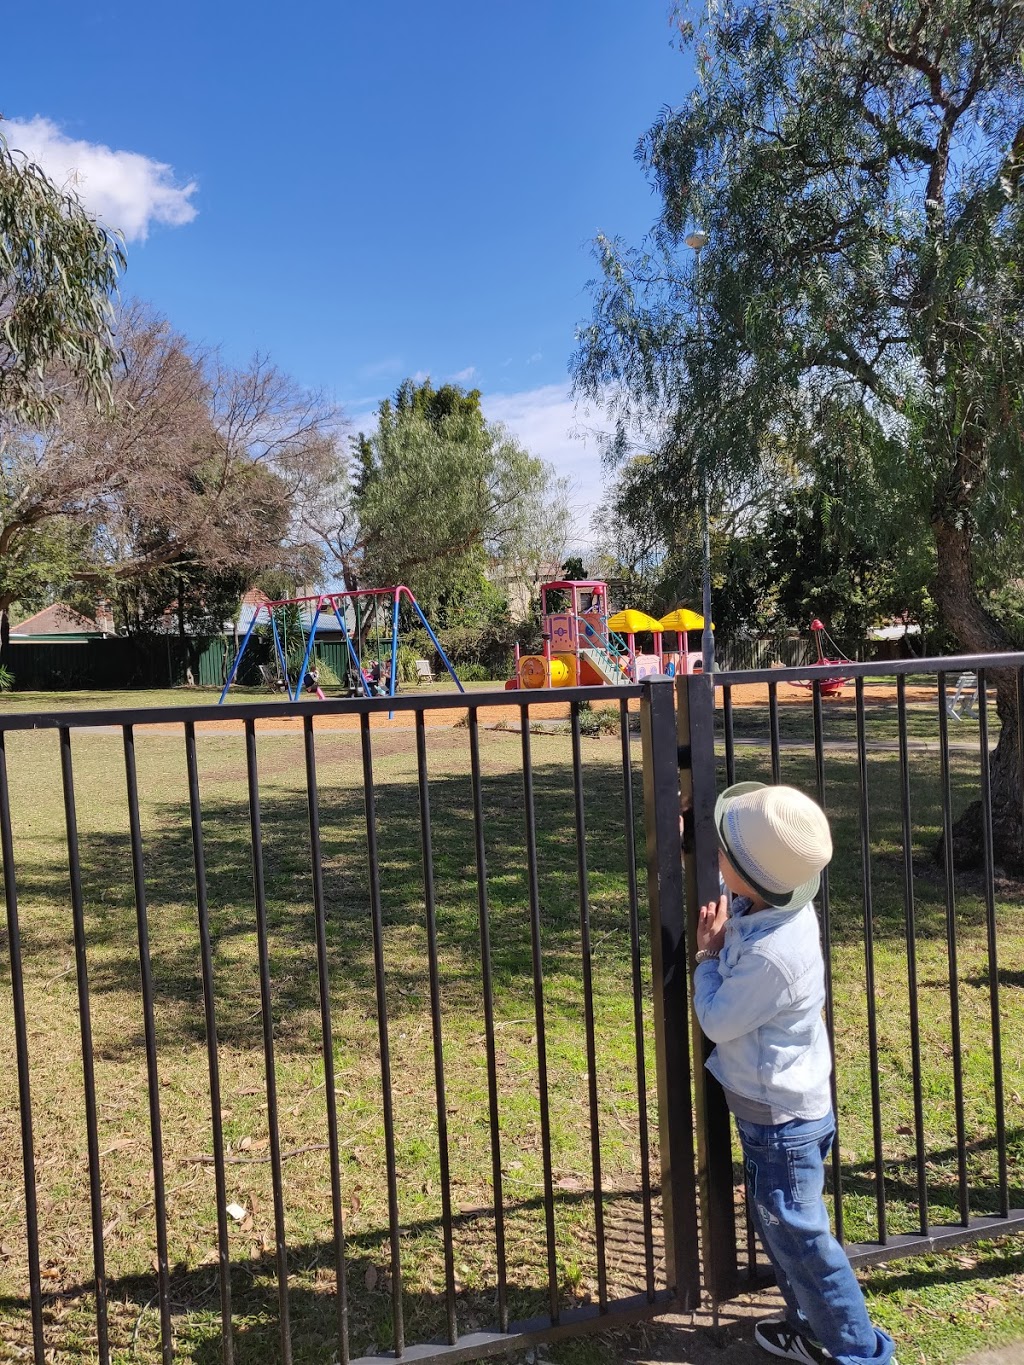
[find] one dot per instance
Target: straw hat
(777, 838)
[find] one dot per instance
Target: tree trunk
(978, 633)
(5, 636)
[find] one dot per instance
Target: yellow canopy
(683, 619)
(631, 622)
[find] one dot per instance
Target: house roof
(57, 619)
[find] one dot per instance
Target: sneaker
(777, 1337)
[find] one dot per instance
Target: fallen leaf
(569, 1182)
(370, 1278)
(245, 1144)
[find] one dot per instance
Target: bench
(424, 673)
(270, 676)
(964, 697)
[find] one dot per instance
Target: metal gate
(337, 1043)
(924, 1002)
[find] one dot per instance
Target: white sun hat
(777, 838)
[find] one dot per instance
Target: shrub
(602, 722)
(472, 673)
(6, 679)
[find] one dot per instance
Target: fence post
(697, 782)
(670, 990)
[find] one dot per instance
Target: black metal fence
(923, 961)
(385, 1052)
(266, 966)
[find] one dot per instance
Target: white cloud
(125, 190)
(463, 376)
(380, 369)
(550, 425)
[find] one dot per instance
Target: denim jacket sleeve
(753, 992)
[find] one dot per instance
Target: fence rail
(412, 965)
(563, 822)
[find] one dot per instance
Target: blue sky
(366, 191)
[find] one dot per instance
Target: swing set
(361, 682)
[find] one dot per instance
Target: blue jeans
(785, 1167)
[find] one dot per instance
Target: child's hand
(711, 925)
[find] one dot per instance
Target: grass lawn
(132, 698)
(934, 1307)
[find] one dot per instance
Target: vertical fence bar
(730, 739)
(588, 1006)
(869, 965)
(669, 958)
(213, 1063)
(487, 983)
(85, 1030)
(149, 1018)
(538, 1007)
(993, 954)
(628, 824)
(377, 914)
(697, 784)
(426, 846)
(267, 1013)
(28, 1159)
(826, 945)
(951, 957)
(730, 778)
(327, 1036)
(773, 722)
(911, 935)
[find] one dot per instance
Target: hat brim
(779, 900)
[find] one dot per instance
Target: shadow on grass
(170, 887)
(105, 860)
(195, 1301)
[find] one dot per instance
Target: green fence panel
(117, 663)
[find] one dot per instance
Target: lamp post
(696, 241)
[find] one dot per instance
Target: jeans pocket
(806, 1173)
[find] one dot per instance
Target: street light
(696, 241)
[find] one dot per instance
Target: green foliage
(603, 720)
(442, 496)
(58, 271)
(6, 679)
(472, 673)
(857, 169)
(406, 665)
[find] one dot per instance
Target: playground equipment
(682, 620)
(832, 686)
(370, 682)
(585, 647)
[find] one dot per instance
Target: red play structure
(831, 686)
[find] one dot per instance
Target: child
(758, 990)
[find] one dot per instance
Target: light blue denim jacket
(761, 1004)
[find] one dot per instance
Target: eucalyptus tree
(58, 273)
(857, 168)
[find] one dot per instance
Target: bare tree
(193, 464)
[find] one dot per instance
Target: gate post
(697, 783)
(670, 990)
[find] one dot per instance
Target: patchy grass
(40, 860)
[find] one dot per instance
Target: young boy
(758, 990)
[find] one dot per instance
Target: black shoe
(778, 1337)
